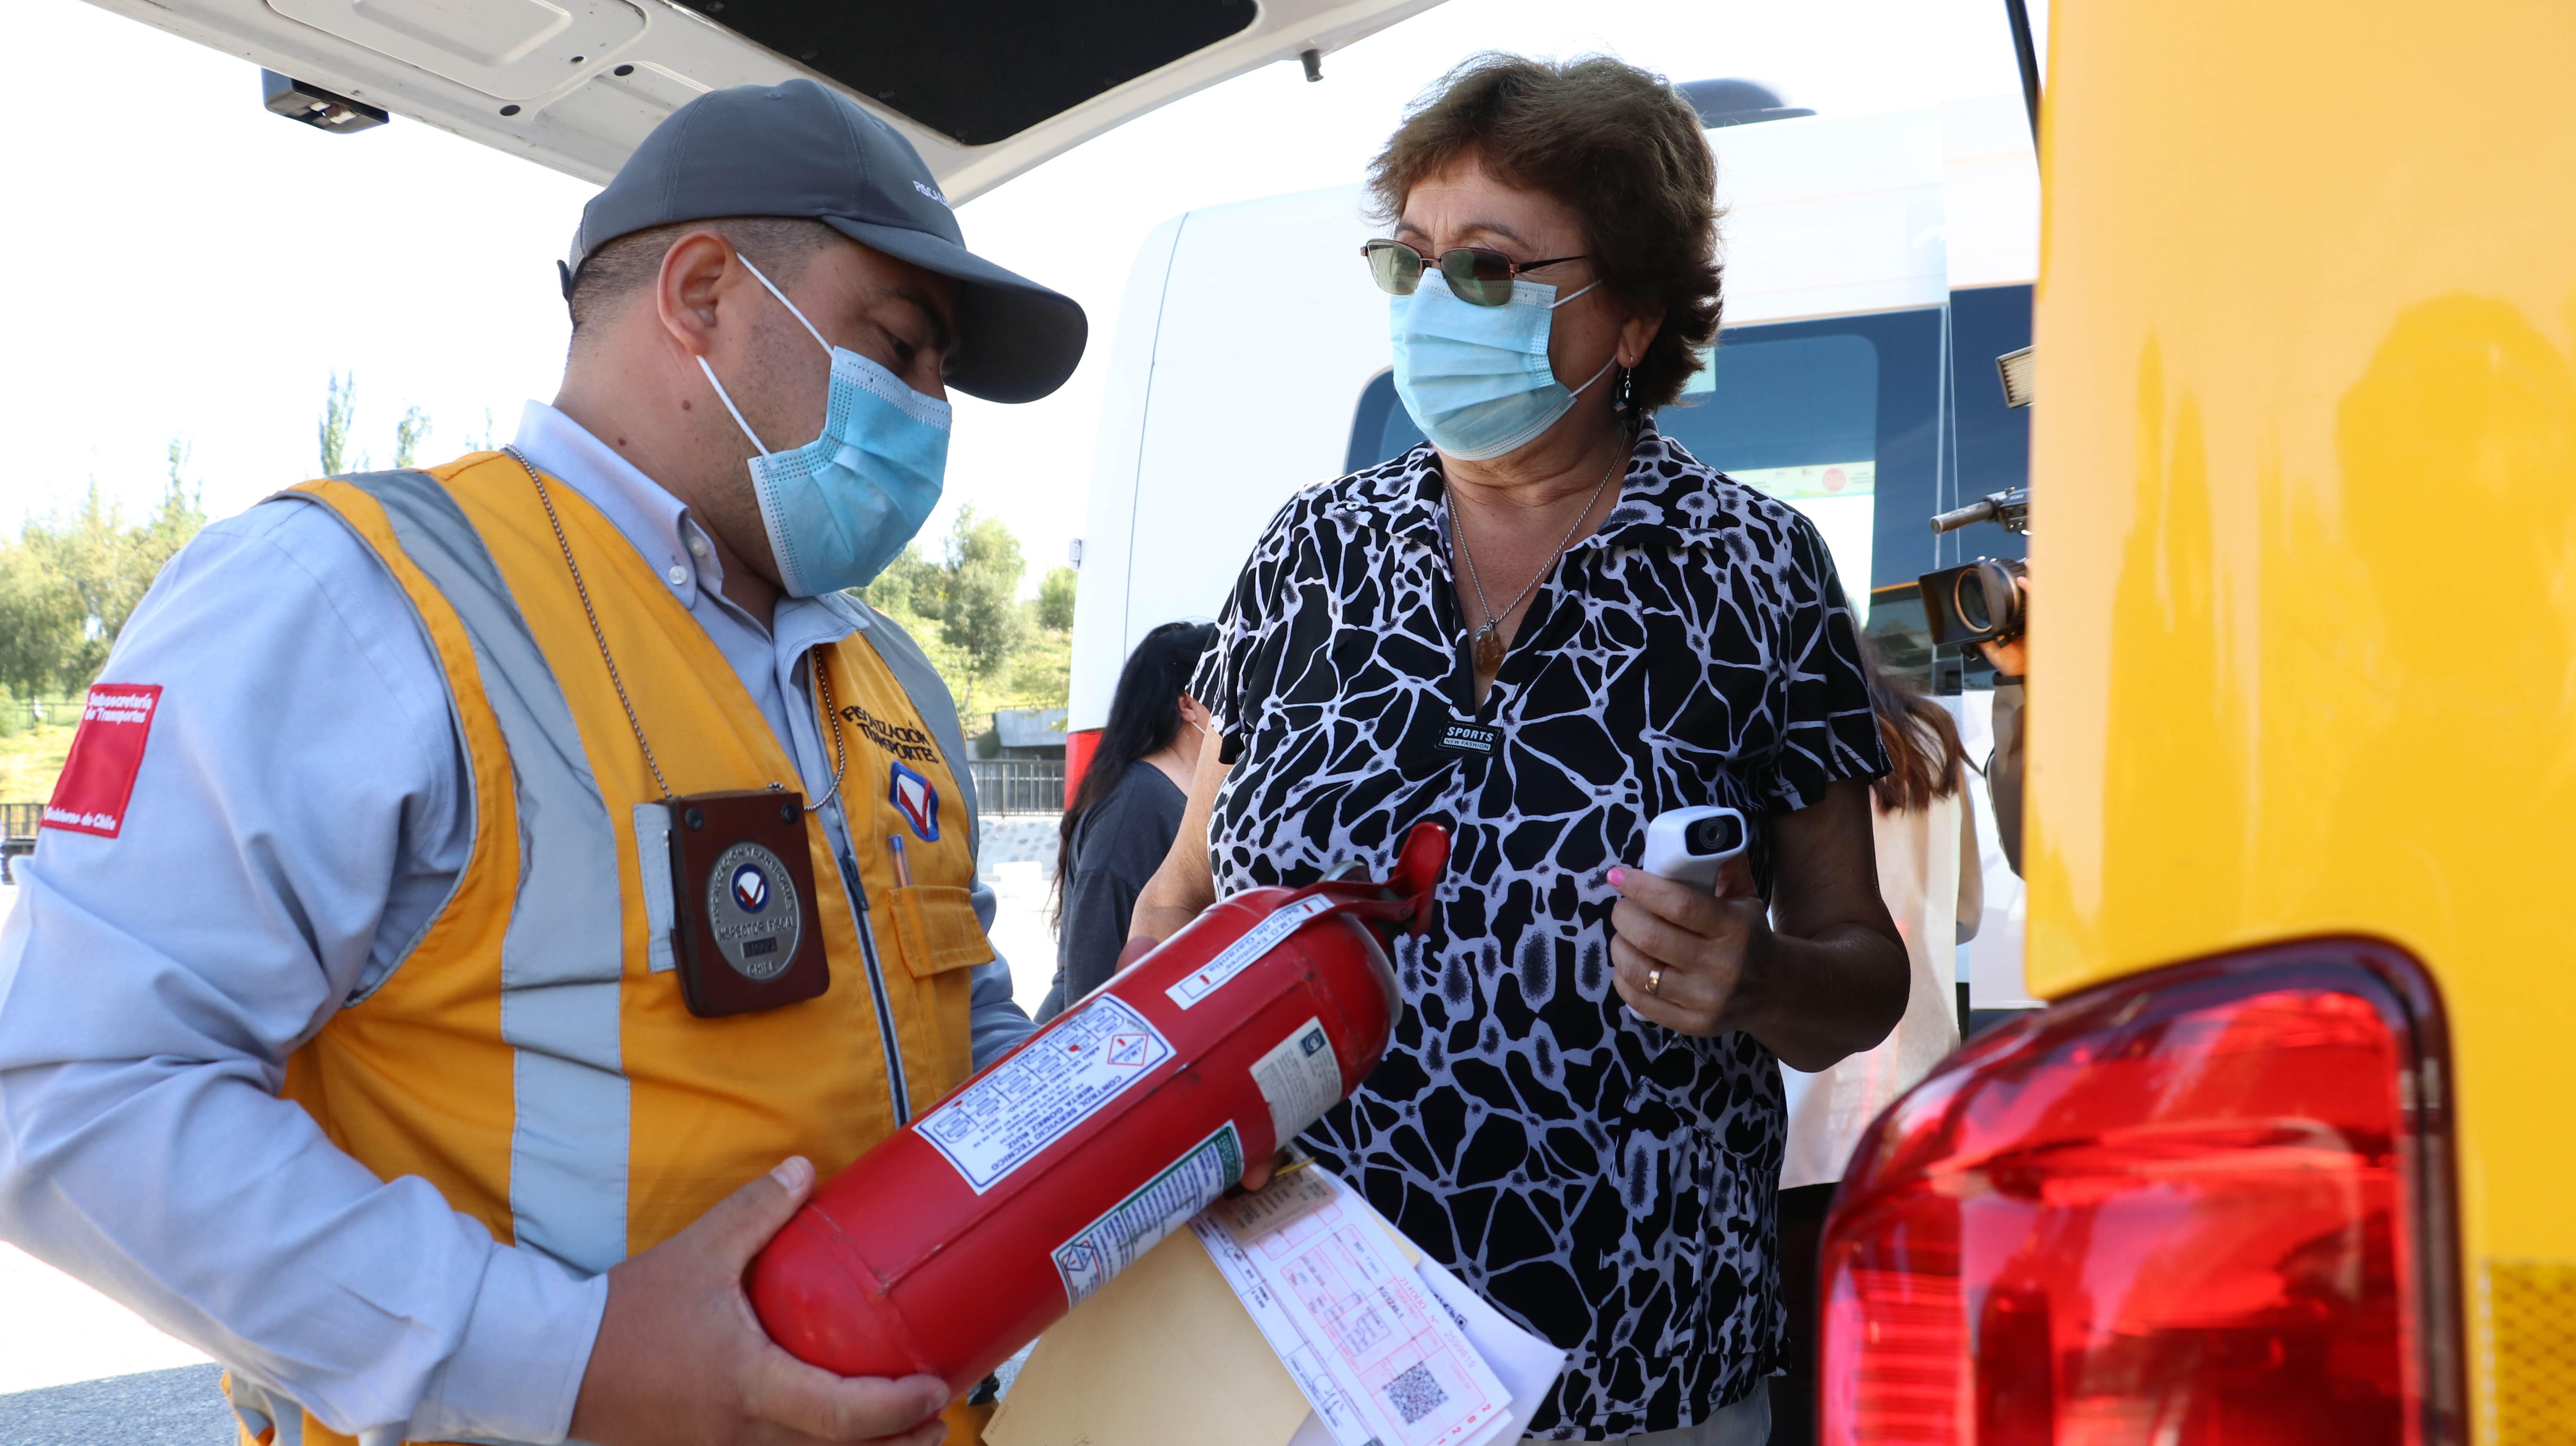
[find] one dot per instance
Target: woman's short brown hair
(1616, 145)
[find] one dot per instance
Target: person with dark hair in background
(1120, 824)
(1926, 837)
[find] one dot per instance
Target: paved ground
(1018, 860)
(76, 1367)
(158, 1408)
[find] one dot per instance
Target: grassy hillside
(31, 756)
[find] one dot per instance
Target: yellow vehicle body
(2304, 563)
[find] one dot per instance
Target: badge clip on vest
(742, 871)
(742, 881)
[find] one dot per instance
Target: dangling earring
(1620, 396)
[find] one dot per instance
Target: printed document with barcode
(1375, 1351)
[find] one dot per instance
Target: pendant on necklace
(1489, 650)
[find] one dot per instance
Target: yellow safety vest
(531, 1055)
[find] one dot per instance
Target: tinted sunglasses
(1475, 275)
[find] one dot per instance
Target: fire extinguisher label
(1043, 1093)
(1138, 1223)
(1260, 939)
(1299, 1080)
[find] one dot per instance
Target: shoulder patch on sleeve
(107, 751)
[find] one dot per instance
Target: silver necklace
(1486, 645)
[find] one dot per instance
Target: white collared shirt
(298, 818)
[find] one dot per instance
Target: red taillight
(2203, 1207)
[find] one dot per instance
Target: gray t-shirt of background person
(1116, 847)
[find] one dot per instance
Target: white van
(1875, 268)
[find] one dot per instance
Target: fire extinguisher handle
(1418, 867)
(1406, 895)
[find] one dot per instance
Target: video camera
(1977, 602)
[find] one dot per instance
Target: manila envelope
(1163, 1355)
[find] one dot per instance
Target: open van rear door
(985, 89)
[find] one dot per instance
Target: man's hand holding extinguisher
(683, 1300)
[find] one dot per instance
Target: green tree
(40, 622)
(181, 516)
(911, 588)
(73, 581)
(407, 436)
(1055, 599)
(980, 614)
(339, 404)
(1041, 675)
(990, 647)
(87, 551)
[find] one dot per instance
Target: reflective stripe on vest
(542, 1003)
(560, 960)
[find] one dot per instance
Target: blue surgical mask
(842, 506)
(1476, 377)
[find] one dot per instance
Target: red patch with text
(107, 752)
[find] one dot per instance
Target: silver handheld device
(1689, 845)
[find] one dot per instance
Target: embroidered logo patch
(917, 799)
(1470, 738)
(107, 751)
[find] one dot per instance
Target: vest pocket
(941, 944)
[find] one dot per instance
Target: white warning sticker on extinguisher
(1299, 1079)
(1040, 1094)
(1236, 957)
(1138, 1223)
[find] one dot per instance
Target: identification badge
(742, 892)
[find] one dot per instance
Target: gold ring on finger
(1655, 982)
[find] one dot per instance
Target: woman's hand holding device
(1686, 923)
(1691, 845)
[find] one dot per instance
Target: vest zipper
(901, 1096)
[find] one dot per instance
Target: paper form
(1376, 1354)
(1527, 1364)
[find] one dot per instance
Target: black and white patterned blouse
(1605, 1181)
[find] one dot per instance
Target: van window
(1798, 419)
(1381, 430)
(1838, 417)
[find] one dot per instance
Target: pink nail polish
(1618, 876)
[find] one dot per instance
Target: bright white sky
(193, 266)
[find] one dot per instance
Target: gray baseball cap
(801, 149)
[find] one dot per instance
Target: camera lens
(1719, 835)
(1971, 597)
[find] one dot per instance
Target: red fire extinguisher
(957, 1240)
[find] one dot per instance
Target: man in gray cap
(482, 900)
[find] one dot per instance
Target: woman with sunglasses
(1543, 627)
